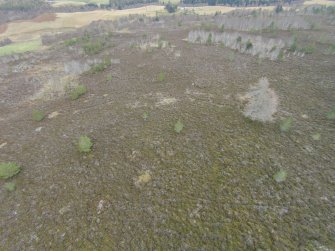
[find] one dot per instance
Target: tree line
(235, 2)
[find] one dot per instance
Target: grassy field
(20, 47)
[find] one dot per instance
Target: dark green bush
(248, 45)
(171, 8)
(92, 48)
(77, 92)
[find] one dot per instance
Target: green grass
(8, 170)
(78, 91)
(10, 186)
(38, 115)
(84, 144)
(20, 47)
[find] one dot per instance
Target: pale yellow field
(320, 2)
(28, 30)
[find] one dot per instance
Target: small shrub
(286, 124)
(332, 48)
(161, 77)
(316, 136)
(84, 144)
(248, 45)
(281, 55)
(309, 49)
(160, 44)
(209, 39)
(109, 77)
(179, 23)
(78, 91)
(156, 18)
(294, 45)
(331, 114)
(145, 115)
(8, 170)
(178, 127)
(239, 39)
(101, 66)
(279, 8)
(10, 186)
(38, 115)
(143, 179)
(92, 48)
(71, 42)
(171, 8)
(222, 28)
(280, 176)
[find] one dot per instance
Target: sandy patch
(162, 100)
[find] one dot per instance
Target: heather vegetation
(166, 127)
